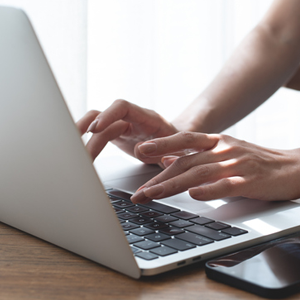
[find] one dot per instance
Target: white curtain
(161, 54)
(61, 28)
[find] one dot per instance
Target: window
(161, 54)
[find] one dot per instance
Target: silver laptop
(50, 188)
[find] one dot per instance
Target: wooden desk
(33, 269)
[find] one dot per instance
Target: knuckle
(252, 162)
(174, 185)
(228, 186)
(188, 137)
(121, 102)
(225, 137)
(181, 163)
(92, 113)
(161, 144)
(233, 149)
(201, 171)
(234, 186)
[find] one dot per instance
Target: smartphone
(270, 270)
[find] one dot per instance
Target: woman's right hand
(220, 166)
(127, 126)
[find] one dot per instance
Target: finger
(178, 184)
(86, 120)
(145, 159)
(199, 162)
(152, 159)
(168, 160)
(120, 110)
(179, 142)
(99, 140)
(139, 197)
(226, 187)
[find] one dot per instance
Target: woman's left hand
(220, 166)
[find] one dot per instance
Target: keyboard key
(202, 220)
(194, 238)
(134, 238)
(157, 237)
(118, 210)
(127, 215)
(166, 219)
(207, 232)
(146, 245)
(141, 220)
(217, 225)
(137, 209)
(163, 251)
(184, 215)
(156, 225)
(129, 226)
(171, 230)
(160, 207)
(141, 231)
(181, 223)
(119, 194)
(151, 214)
(135, 250)
(122, 204)
(113, 199)
(146, 255)
(178, 244)
(234, 231)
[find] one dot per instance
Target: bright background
(162, 54)
(159, 54)
(61, 26)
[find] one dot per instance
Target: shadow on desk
(34, 269)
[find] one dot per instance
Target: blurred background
(157, 54)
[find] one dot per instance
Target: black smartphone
(270, 270)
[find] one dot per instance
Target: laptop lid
(48, 185)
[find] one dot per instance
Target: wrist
(198, 117)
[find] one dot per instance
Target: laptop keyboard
(155, 230)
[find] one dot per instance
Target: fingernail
(140, 188)
(168, 160)
(92, 126)
(147, 148)
(154, 191)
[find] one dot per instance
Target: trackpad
(124, 172)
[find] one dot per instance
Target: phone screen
(269, 270)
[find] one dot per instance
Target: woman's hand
(220, 166)
(126, 125)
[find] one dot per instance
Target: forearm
(264, 61)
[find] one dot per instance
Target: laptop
(51, 189)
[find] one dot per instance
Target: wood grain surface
(33, 269)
